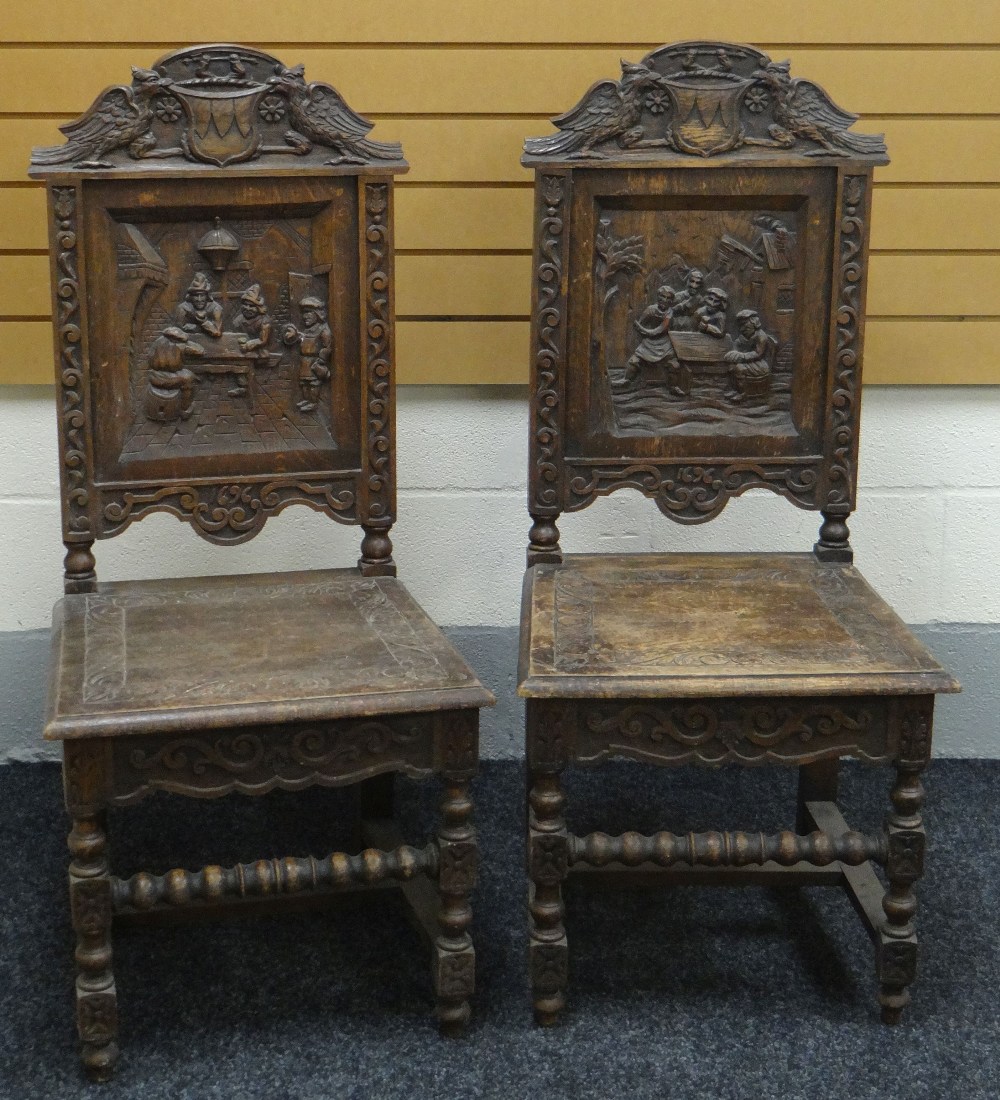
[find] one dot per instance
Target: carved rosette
(228, 512)
(74, 428)
(715, 731)
(689, 493)
(840, 472)
(458, 743)
(380, 489)
(548, 337)
(913, 719)
(255, 761)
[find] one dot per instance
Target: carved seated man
(199, 312)
(688, 300)
(171, 384)
(315, 342)
(750, 358)
(710, 318)
(254, 324)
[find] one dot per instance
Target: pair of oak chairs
(222, 273)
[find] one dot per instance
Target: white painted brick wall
(925, 533)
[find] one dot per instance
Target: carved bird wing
(810, 104)
(335, 123)
(598, 109)
(107, 125)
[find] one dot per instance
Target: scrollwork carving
(380, 489)
(73, 426)
(715, 731)
(226, 513)
(694, 493)
(549, 341)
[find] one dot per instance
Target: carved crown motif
(704, 99)
(217, 105)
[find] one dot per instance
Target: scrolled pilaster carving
(380, 488)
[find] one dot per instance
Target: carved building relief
(228, 338)
(694, 321)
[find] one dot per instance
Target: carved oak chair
(701, 233)
(222, 265)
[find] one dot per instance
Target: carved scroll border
(379, 499)
(255, 760)
(840, 466)
(75, 440)
(226, 511)
(748, 731)
(694, 492)
(548, 340)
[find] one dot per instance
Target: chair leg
(90, 905)
(454, 954)
(548, 866)
(897, 953)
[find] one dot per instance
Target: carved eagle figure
(319, 114)
(802, 110)
(609, 111)
(120, 118)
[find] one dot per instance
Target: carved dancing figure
(688, 300)
(656, 348)
(750, 358)
(254, 324)
(199, 311)
(711, 316)
(315, 341)
(171, 384)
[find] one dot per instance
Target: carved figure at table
(171, 384)
(315, 341)
(751, 358)
(199, 312)
(656, 351)
(121, 119)
(319, 115)
(254, 324)
(688, 300)
(609, 111)
(710, 317)
(803, 111)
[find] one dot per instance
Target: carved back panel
(700, 255)
(222, 260)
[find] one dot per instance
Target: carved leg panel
(897, 952)
(548, 865)
(454, 954)
(91, 908)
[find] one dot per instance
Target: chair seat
(212, 652)
(676, 625)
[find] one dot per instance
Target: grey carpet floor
(675, 993)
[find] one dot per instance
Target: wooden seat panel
(714, 624)
(150, 656)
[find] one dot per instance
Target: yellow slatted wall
(462, 83)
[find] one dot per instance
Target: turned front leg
(548, 865)
(904, 866)
(454, 954)
(90, 905)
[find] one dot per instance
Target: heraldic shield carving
(218, 105)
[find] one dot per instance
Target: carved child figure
(315, 342)
(254, 323)
(171, 384)
(711, 317)
(751, 370)
(199, 312)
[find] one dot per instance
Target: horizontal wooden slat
(489, 150)
(518, 81)
(487, 218)
(973, 21)
(500, 286)
(496, 352)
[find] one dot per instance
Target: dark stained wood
(701, 243)
(222, 278)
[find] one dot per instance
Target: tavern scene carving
(217, 106)
(704, 99)
(227, 332)
(694, 316)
